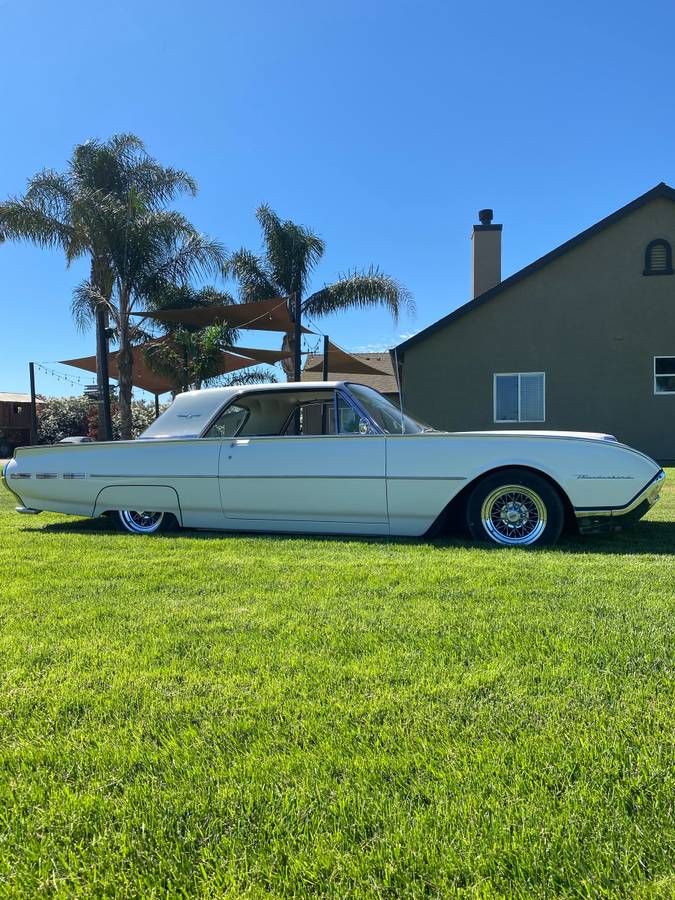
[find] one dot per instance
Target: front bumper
(614, 518)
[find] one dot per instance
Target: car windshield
(385, 413)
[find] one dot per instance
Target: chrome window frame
(292, 413)
(214, 422)
(356, 406)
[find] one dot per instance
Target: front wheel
(144, 522)
(514, 508)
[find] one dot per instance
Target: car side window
(315, 417)
(229, 423)
(348, 418)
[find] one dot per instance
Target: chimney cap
(486, 216)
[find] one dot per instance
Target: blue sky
(383, 125)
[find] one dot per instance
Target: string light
(59, 376)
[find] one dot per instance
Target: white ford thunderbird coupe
(337, 458)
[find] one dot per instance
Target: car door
(330, 482)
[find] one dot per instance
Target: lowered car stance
(337, 458)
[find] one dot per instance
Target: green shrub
(60, 417)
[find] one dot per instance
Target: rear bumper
(5, 483)
(614, 517)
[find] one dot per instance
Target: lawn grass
(213, 715)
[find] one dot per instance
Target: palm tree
(148, 247)
(87, 211)
(290, 254)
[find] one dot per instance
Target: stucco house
(581, 339)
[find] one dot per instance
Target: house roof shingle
(8, 397)
(385, 382)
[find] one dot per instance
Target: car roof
(191, 411)
(273, 386)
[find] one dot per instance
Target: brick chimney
(487, 253)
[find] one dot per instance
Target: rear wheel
(144, 522)
(515, 508)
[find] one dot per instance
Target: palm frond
(21, 219)
(245, 377)
(291, 251)
(159, 184)
(86, 300)
(194, 256)
(254, 282)
(361, 290)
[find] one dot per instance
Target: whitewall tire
(515, 508)
(143, 521)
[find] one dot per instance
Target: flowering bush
(60, 417)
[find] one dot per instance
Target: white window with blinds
(519, 397)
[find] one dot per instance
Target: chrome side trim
(427, 478)
(146, 475)
(44, 475)
(69, 476)
(27, 511)
(20, 475)
(650, 492)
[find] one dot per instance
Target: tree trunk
(100, 280)
(125, 365)
(287, 364)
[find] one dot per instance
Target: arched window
(658, 258)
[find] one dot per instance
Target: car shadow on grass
(651, 537)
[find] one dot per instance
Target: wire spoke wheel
(514, 515)
(141, 521)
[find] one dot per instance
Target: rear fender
(157, 498)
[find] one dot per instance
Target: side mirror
(364, 426)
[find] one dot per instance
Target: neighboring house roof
(14, 398)
(661, 190)
(385, 383)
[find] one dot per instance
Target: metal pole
(297, 337)
(325, 357)
(102, 377)
(324, 377)
(156, 406)
(33, 405)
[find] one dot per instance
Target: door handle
(239, 444)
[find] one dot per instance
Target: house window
(519, 397)
(664, 374)
(658, 258)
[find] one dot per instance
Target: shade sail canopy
(264, 315)
(339, 361)
(144, 377)
(264, 356)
